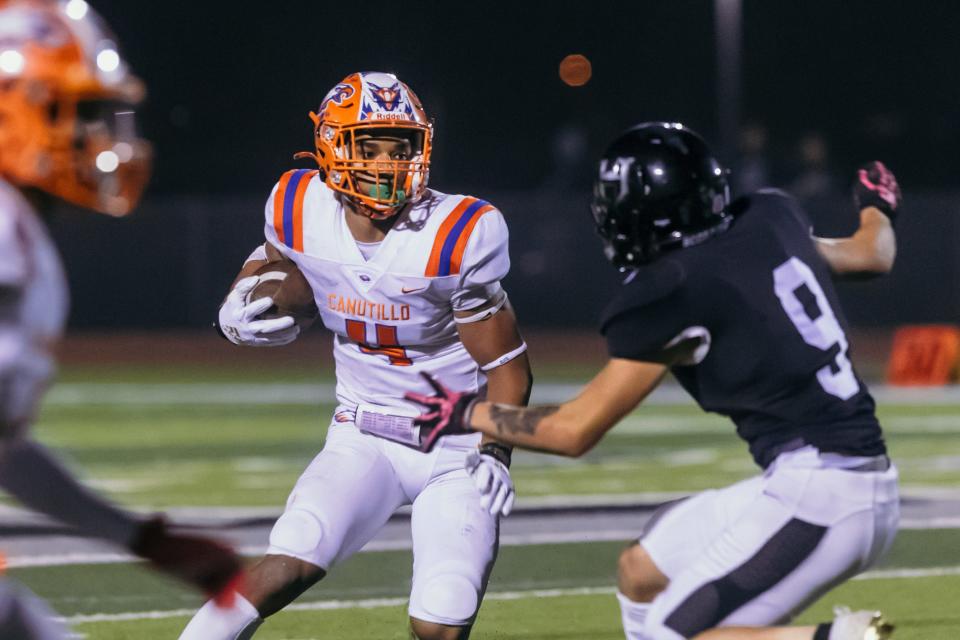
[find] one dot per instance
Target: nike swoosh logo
(405, 290)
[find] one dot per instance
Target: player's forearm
(871, 251)
(249, 268)
(509, 384)
(32, 475)
(546, 428)
(264, 254)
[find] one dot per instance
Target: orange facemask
(67, 99)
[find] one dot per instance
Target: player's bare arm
(872, 249)
(250, 267)
(574, 427)
(490, 335)
(569, 429)
(490, 340)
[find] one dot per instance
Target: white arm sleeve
(486, 261)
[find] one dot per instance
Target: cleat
(859, 625)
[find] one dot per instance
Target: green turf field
(152, 453)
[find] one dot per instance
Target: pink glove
(876, 186)
(449, 413)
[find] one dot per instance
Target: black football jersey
(778, 362)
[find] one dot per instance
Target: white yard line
(375, 603)
(84, 393)
(506, 540)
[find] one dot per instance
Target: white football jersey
(392, 315)
(33, 305)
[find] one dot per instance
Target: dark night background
(230, 84)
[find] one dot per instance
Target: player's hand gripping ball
(289, 290)
(269, 308)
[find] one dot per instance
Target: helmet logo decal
(617, 171)
(337, 95)
(388, 102)
(386, 97)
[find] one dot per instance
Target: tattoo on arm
(516, 420)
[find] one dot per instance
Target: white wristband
(505, 358)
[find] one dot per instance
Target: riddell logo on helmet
(376, 115)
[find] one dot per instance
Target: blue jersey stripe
(447, 253)
(288, 199)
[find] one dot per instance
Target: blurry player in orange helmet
(408, 279)
(67, 103)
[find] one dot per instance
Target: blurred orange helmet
(372, 104)
(67, 104)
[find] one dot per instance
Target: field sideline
(197, 440)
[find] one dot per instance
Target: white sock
(634, 616)
(223, 623)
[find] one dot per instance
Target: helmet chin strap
(306, 155)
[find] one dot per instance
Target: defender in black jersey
(736, 300)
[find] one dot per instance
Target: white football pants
(760, 551)
(353, 486)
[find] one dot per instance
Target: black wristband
(498, 451)
(823, 631)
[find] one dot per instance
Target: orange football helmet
(67, 104)
(372, 104)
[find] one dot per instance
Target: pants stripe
(706, 607)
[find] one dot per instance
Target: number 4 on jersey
(818, 325)
(386, 342)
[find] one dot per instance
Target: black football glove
(207, 565)
(876, 186)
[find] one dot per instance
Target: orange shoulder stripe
(457, 258)
(433, 265)
(278, 204)
(298, 210)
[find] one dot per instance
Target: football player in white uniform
(66, 130)
(408, 280)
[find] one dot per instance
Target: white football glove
(493, 481)
(238, 320)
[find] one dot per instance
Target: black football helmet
(659, 188)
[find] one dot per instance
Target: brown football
(291, 293)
